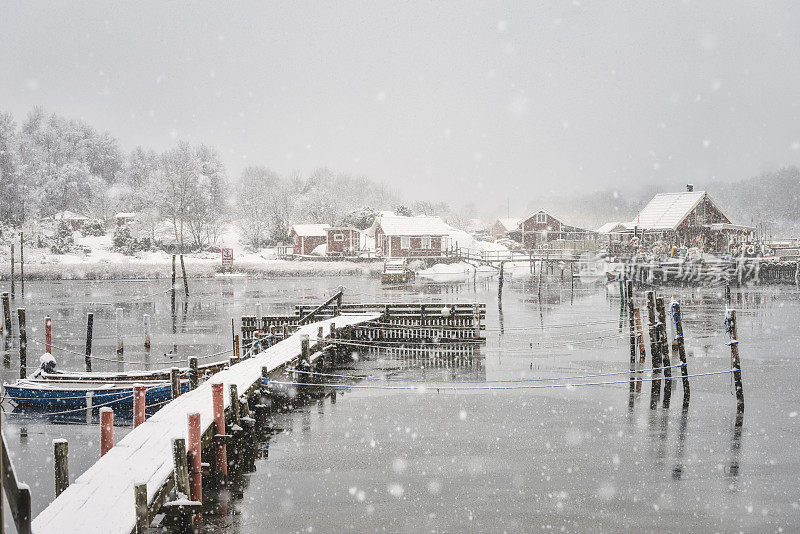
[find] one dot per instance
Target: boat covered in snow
(84, 394)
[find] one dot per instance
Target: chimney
(689, 188)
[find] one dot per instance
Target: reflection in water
(736, 446)
(677, 471)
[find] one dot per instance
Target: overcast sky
(460, 101)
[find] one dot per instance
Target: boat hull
(66, 398)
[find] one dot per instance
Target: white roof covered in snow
(125, 215)
(510, 223)
(612, 227)
(67, 215)
(666, 210)
(422, 225)
(311, 230)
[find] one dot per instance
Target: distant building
(344, 241)
(404, 237)
(541, 228)
(307, 237)
(125, 218)
(75, 220)
(504, 226)
(614, 232)
(689, 218)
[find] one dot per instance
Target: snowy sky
(478, 102)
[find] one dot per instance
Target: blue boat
(83, 394)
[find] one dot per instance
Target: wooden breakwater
(136, 479)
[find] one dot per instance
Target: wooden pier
(140, 468)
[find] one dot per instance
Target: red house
(404, 237)
(343, 241)
(541, 228)
(307, 237)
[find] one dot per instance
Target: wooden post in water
(194, 375)
(106, 430)
(665, 360)
(737, 365)
(185, 280)
(235, 409)
(640, 342)
(653, 330)
(140, 496)
(23, 344)
(181, 467)
(632, 336)
(233, 337)
(304, 356)
(146, 321)
(139, 401)
(89, 328)
(48, 334)
(21, 265)
(172, 287)
(61, 463)
(118, 330)
(13, 289)
(500, 281)
(676, 317)
(175, 382)
(195, 459)
(218, 405)
(7, 333)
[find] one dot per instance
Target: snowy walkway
(101, 500)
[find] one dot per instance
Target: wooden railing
(17, 493)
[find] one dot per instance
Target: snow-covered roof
(612, 227)
(667, 210)
(510, 223)
(413, 226)
(542, 210)
(310, 230)
(125, 215)
(69, 216)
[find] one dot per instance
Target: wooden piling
(23, 344)
(140, 497)
(676, 317)
(233, 337)
(218, 405)
(61, 464)
(146, 321)
(13, 289)
(195, 458)
(180, 468)
(737, 365)
(139, 401)
(304, 351)
(175, 382)
(640, 342)
(632, 335)
(172, 287)
(89, 328)
(22, 265)
(194, 375)
(500, 280)
(653, 329)
(48, 334)
(235, 408)
(185, 280)
(118, 330)
(106, 430)
(664, 349)
(7, 314)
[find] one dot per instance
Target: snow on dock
(101, 500)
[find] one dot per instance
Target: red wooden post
(195, 466)
(219, 422)
(139, 393)
(48, 336)
(106, 430)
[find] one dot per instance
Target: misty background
(463, 109)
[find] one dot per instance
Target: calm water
(572, 460)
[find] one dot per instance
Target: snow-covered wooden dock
(102, 499)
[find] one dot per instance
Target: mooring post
(264, 380)
(632, 335)
(237, 351)
(335, 349)
(730, 321)
(195, 459)
(233, 337)
(185, 280)
(654, 332)
(304, 356)
(48, 334)
(676, 317)
(640, 343)
(218, 405)
(194, 375)
(139, 398)
(172, 287)
(23, 344)
(140, 496)
(118, 329)
(665, 360)
(146, 321)
(22, 264)
(7, 314)
(175, 382)
(89, 328)
(180, 468)
(13, 289)
(61, 463)
(500, 279)
(235, 408)
(106, 430)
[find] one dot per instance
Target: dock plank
(102, 499)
